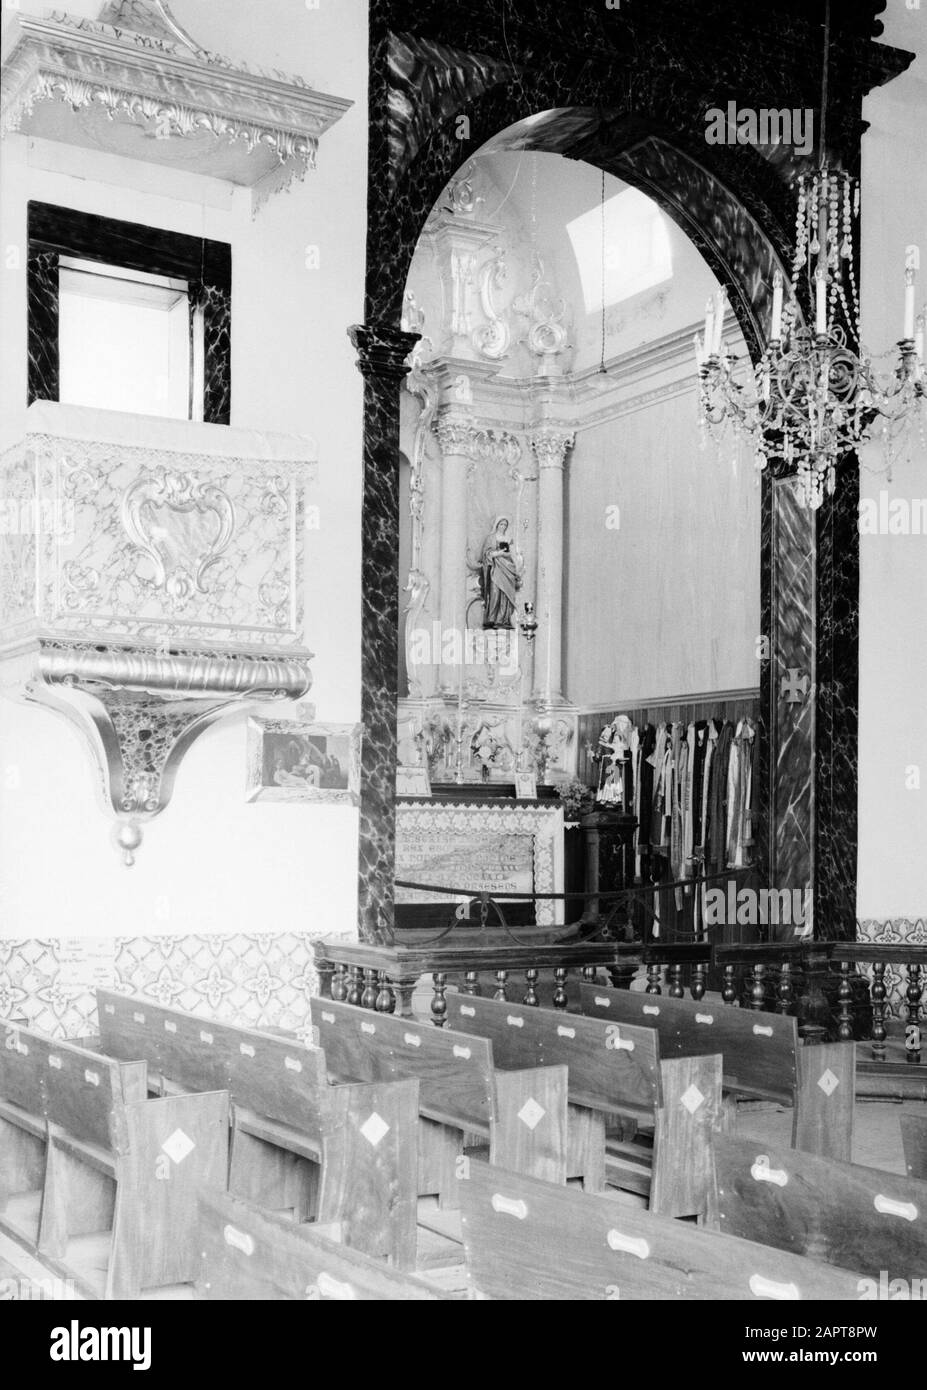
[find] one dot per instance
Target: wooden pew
(342, 1153)
(95, 1178)
(531, 1240)
(521, 1114)
(840, 1213)
(914, 1141)
(615, 1069)
(249, 1253)
(762, 1059)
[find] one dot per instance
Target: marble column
(551, 443)
(381, 357)
(455, 434)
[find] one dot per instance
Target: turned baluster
(405, 987)
(697, 983)
(844, 1003)
(784, 992)
(501, 977)
(560, 994)
(325, 969)
(676, 990)
(438, 1001)
(356, 987)
(471, 984)
(531, 994)
(340, 984)
(912, 1031)
(369, 996)
(729, 986)
(758, 988)
(878, 993)
(654, 976)
(386, 999)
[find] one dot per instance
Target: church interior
(463, 577)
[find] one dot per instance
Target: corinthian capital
(551, 444)
(458, 434)
(455, 434)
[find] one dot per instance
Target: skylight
(637, 248)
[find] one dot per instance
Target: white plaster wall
(893, 569)
(212, 862)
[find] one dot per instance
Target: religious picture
(293, 761)
(500, 575)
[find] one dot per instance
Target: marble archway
(636, 110)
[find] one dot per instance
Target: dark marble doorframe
(629, 98)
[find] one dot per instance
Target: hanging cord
(602, 223)
(822, 140)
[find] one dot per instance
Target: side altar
(479, 843)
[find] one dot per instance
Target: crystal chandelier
(815, 395)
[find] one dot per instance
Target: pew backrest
(758, 1048)
(79, 1091)
(843, 1214)
(251, 1254)
(527, 1240)
(276, 1077)
(611, 1066)
(455, 1072)
(762, 1058)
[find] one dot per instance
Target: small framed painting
(526, 786)
(291, 760)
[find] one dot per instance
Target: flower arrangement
(578, 799)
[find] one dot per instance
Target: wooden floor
(876, 1144)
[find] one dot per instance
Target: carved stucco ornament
(148, 591)
(135, 83)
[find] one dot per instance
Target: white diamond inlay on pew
(374, 1129)
(828, 1082)
(692, 1098)
(531, 1114)
(178, 1146)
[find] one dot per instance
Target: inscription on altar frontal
(479, 860)
(507, 847)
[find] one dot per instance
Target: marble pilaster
(382, 351)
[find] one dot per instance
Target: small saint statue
(500, 576)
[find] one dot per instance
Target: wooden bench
(249, 1253)
(615, 1070)
(840, 1213)
(96, 1179)
(762, 1059)
(522, 1115)
(914, 1142)
(339, 1153)
(532, 1240)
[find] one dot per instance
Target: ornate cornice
(156, 78)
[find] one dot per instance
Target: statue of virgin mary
(500, 578)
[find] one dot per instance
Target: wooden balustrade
(838, 990)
